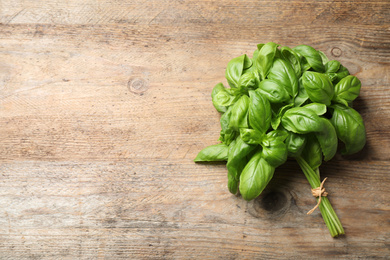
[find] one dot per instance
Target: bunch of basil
(284, 103)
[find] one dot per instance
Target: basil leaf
(340, 74)
(234, 70)
(274, 151)
(250, 136)
(259, 112)
(304, 63)
(282, 72)
(227, 135)
(290, 56)
(349, 127)
(225, 119)
(265, 58)
(238, 117)
(318, 87)
(323, 56)
(312, 153)
(280, 135)
(238, 150)
(275, 121)
(232, 184)
(247, 62)
(255, 176)
(301, 120)
(274, 92)
(217, 88)
(259, 46)
(327, 139)
(232, 179)
(312, 57)
(332, 66)
(317, 108)
(302, 94)
(295, 144)
(254, 56)
(347, 90)
(216, 152)
(247, 81)
(222, 98)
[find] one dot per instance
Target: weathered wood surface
(104, 104)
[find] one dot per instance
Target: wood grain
(104, 105)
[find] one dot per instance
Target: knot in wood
(336, 51)
(137, 85)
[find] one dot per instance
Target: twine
(318, 192)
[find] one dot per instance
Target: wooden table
(104, 105)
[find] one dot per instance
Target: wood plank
(169, 208)
(41, 107)
(206, 12)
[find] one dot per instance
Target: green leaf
(302, 94)
(323, 56)
(312, 57)
(301, 120)
(259, 46)
(223, 98)
(280, 135)
(233, 183)
(327, 139)
(251, 136)
(256, 54)
(274, 151)
(265, 58)
(233, 172)
(312, 152)
(248, 81)
(275, 92)
(225, 119)
(255, 176)
(238, 117)
(282, 73)
(227, 134)
(234, 70)
(238, 150)
(247, 62)
(347, 90)
(318, 87)
(259, 112)
(340, 74)
(216, 152)
(217, 88)
(275, 121)
(332, 66)
(317, 108)
(290, 56)
(295, 144)
(349, 128)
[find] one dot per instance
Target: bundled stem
(328, 214)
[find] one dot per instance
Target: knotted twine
(318, 192)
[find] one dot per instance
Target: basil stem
(328, 214)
